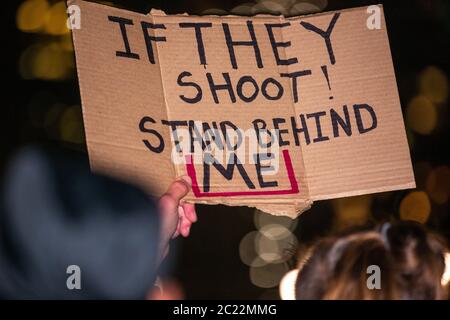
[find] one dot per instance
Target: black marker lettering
(198, 36)
(182, 83)
(231, 44)
(123, 22)
(324, 34)
(159, 148)
(294, 76)
(316, 116)
(276, 45)
(149, 39)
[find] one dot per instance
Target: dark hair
(411, 261)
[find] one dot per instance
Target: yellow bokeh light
(57, 20)
(415, 206)
(421, 115)
(26, 61)
(32, 15)
(66, 43)
(433, 84)
(71, 125)
(438, 184)
(46, 61)
(51, 120)
(52, 63)
(352, 211)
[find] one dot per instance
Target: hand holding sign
(176, 215)
(269, 112)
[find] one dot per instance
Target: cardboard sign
(263, 111)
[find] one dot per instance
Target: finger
(169, 201)
(189, 211)
(167, 204)
(181, 216)
(180, 188)
(177, 230)
(185, 229)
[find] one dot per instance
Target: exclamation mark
(325, 73)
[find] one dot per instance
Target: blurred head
(408, 260)
(54, 213)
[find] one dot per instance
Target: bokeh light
(276, 7)
(421, 115)
(46, 61)
(287, 285)
(415, 206)
(71, 125)
(26, 61)
(275, 231)
(271, 7)
(51, 120)
(351, 211)
(32, 15)
(446, 276)
(438, 184)
(65, 42)
(270, 247)
(275, 249)
(57, 19)
(433, 84)
(52, 63)
(262, 219)
(268, 276)
(303, 8)
(244, 9)
(247, 250)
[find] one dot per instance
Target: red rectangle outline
(199, 194)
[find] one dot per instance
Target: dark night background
(42, 105)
